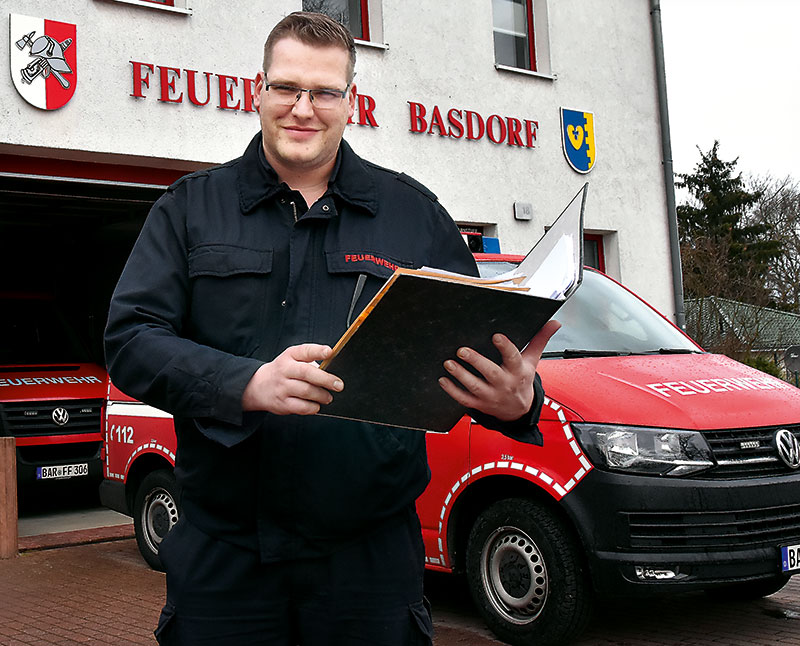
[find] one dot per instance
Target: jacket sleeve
(147, 354)
(453, 255)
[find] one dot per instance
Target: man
(295, 528)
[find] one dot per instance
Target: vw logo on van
(788, 447)
(61, 416)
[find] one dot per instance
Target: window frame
(598, 239)
(537, 16)
(173, 6)
(529, 35)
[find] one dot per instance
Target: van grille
(746, 453)
(27, 419)
(750, 528)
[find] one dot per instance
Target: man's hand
(292, 383)
(506, 391)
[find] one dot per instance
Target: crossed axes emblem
(48, 56)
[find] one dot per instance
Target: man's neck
(310, 183)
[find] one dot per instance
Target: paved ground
(103, 593)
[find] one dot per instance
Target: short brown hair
(315, 29)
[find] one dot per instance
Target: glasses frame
(311, 92)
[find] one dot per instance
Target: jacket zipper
(294, 210)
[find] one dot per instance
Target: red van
(663, 469)
(52, 396)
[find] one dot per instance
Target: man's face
(300, 137)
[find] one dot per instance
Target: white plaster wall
(439, 52)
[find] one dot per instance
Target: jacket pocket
(356, 277)
(229, 292)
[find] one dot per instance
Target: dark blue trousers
(367, 594)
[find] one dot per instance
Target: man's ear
(351, 100)
(260, 80)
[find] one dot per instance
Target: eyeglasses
(321, 98)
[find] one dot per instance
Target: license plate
(62, 471)
(790, 558)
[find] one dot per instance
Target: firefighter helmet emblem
(43, 60)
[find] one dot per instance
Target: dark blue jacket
(230, 269)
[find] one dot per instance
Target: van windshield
(602, 318)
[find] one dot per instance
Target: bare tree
(779, 209)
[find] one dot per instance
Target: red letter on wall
(514, 128)
(366, 106)
(226, 92)
(531, 128)
(248, 85)
(470, 130)
(140, 80)
(437, 122)
(192, 89)
(168, 84)
(454, 117)
(418, 123)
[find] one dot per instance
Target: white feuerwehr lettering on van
(708, 386)
(39, 381)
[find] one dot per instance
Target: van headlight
(648, 451)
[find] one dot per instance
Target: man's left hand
(506, 390)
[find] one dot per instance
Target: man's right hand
(292, 383)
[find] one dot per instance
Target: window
(172, 6)
(521, 39)
(593, 255)
(353, 14)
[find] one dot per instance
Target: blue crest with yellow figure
(577, 136)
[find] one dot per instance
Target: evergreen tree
(724, 252)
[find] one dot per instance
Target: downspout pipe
(666, 154)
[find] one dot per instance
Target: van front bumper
(645, 534)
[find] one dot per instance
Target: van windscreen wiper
(572, 353)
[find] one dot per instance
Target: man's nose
(303, 106)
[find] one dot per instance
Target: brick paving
(103, 593)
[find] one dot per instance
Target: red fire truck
(663, 469)
(51, 395)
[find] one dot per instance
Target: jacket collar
(352, 180)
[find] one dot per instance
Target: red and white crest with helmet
(44, 64)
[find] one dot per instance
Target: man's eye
(328, 94)
(284, 89)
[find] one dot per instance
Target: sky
(733, 74)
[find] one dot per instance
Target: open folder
(392, 356)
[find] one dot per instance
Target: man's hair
(316, 30)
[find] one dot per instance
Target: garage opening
(63, 244)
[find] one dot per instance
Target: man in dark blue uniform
(295, 528)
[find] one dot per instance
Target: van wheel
(527, 575)
(747, 590)
(155, 511)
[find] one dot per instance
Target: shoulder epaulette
(203, 172)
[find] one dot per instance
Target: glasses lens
(283, 94)
(326, 99)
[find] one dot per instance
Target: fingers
(536, 346)
(292, 384)
(506, 390)
(308, 352)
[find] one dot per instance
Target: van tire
(155, 511)
(527, 575)
(747, 590)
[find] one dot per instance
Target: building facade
(503, 108)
